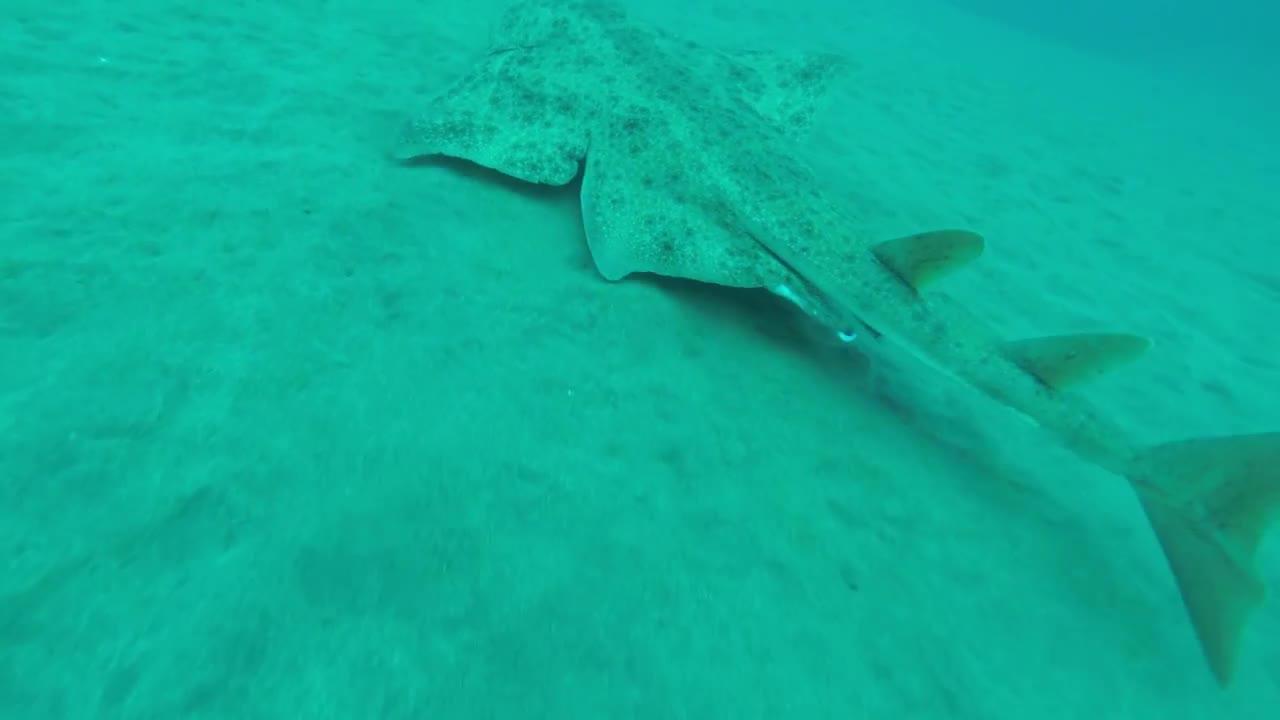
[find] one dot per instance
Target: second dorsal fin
(926, 257)
(1063, 360)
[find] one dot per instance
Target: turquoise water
(1145, 30)
(293, 431)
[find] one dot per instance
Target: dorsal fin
(1062, 360)
(922, 259)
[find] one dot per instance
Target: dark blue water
(1235, 36)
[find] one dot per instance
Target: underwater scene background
(289, 430)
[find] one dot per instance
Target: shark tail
(1210, 501)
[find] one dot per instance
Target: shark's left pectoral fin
(1060, 361)
(632, 226)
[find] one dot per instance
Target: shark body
(687, 171)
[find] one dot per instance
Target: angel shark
(687, 171)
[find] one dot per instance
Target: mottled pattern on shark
(660, 124)
(688, 171)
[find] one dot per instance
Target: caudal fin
(1210, 501)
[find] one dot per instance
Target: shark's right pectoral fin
(482, 121)
(1210, 501)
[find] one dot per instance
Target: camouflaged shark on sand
(687, 172)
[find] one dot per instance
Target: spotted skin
(659, 123)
